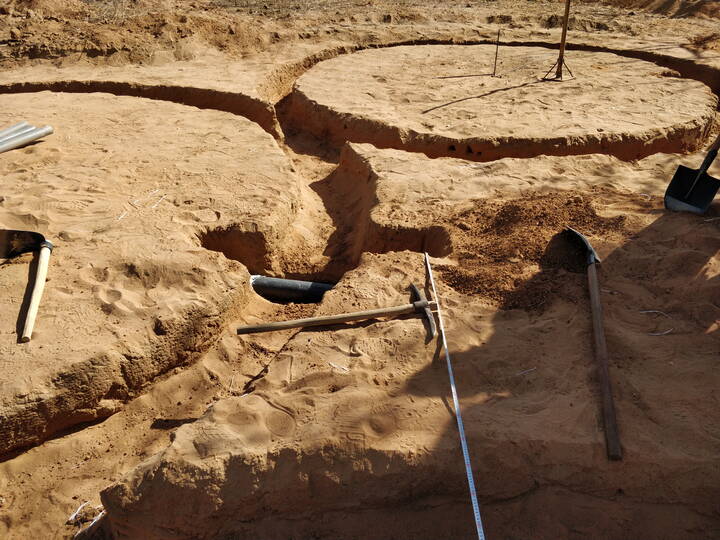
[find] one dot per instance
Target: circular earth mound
(443, 100)
(126, 189)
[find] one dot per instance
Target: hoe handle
(612, 439)
(338, 319)
(42, 267)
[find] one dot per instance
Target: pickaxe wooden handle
(40, 276)
(420, 306)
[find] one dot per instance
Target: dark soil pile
(516, 252)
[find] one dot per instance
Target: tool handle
(716, 145)
(563, 39)
(612, 438)
(337, 319)
(40, 275)
(710, 157)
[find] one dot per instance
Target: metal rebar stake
(497, 47)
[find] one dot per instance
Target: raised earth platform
(442, 100)
(346, 432)
(129, 190)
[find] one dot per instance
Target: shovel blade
(14, 243)
(581, 241)
(681, 196)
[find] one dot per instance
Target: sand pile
(499, 244)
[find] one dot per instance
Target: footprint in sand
(380, 425)
(355, 417)
(110, 296)
(280, 424)
(92, 275)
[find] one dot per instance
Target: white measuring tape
(456, 404)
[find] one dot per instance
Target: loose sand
(135, 395)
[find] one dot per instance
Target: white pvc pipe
(25, 138)
(20, 131)
(13, 129)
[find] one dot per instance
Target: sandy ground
(134, 385)
(121, 189)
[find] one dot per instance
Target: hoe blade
(689, 193)
(13, 243)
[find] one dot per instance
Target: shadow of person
(531, 404)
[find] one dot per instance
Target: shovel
(692, 190)
(14, 243)
(612, 439)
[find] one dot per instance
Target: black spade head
(581, 241)
(691, 191)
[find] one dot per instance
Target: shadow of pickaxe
(14, 243)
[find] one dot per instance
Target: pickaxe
(14, 243)
(419, 304)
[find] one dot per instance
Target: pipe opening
(283, 291)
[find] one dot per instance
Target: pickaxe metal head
(14, 243)
(422, 304)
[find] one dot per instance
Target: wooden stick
(612, 438)
(561, 58)
(338, 319)
(43, 261)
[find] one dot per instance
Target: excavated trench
(348, 195)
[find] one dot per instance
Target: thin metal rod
(497, 46)
(456, 404)
(549, 70)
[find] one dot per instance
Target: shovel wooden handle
(338, 319)
(612, 438)
(41, 274)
